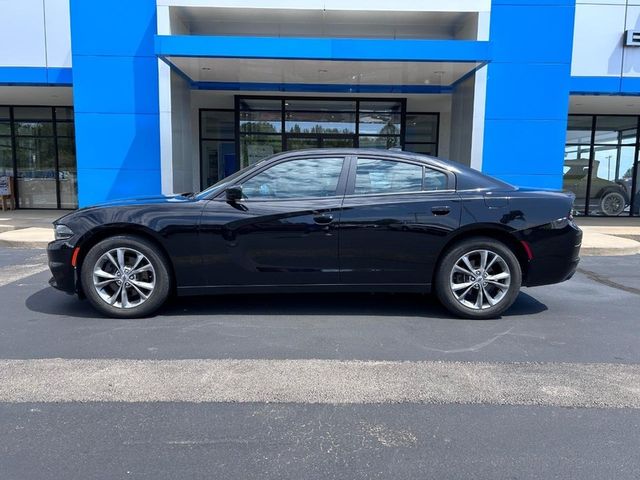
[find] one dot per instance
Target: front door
(396, 216)
(283, 232)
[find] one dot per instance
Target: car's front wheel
(125, 276)
(478, 278)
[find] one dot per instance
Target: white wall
(598, 44)
(462, 121)
(35, 33)
(181, 133)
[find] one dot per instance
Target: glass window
(248, 104)
(380, 142)
(579, 129)
(576, 174)
(36, 172)
(380, 123)
(611, 179)
(217, 124)
(380, 118)
(254, 148)
(434, 180)
(67, 173)
(615, 130)
(424, 148)
(387, 176)
(32, 113)
(320, 122)
(65, 129)
(307, 105)
(215, 155)
(261, 122)
(34, 129)
(6, 157)
(421, 128)
(39, 183)
(305, 177)
(64, 113)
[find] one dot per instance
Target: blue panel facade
(115, 77)
(528, 84)
(115, 51)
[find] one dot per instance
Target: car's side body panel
(254, 243)
(395, 239)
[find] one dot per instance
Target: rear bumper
(556, 254)
(59, 254)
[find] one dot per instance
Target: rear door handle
(323, 219)
(441, 210)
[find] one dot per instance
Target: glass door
(302, 142)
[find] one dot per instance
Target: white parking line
(13, 273)
(320, 381)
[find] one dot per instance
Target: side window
(387, 176)
(434, 180)
(305, 177)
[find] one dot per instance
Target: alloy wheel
(480, 279)
(124, 277)
(613, 203)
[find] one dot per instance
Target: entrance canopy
(322, 64)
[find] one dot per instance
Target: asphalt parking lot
(300, 386)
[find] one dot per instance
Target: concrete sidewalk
(602, 236)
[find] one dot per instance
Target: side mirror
(234, 193)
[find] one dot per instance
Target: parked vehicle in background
(323, 221)
(607, 197)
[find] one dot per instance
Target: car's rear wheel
(478, 278)
(125, 277)
(612, 203)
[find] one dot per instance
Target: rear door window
(379, 176)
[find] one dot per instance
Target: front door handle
(441, 210)
(323, 219)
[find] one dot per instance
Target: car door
(395, 220)
(283, 231)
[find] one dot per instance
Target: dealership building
(111, 99)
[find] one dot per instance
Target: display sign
(5, 186)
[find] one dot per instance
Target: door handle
(441, 210)
(323, 219)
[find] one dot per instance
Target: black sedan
(321, 221)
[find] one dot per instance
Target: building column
(115, 77)
(528, 91)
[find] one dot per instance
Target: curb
(23, 243)
(609, 252)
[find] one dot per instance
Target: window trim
(351, 181)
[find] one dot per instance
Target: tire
(464, 300)
(612, 203)
(102, 278)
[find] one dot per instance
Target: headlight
(62, 232)
(561, 223)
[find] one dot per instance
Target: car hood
(132, 202)
(154, 199)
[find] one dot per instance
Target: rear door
(284, 232)
(395, 220)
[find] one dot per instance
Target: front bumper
(59, 253)
(556, 254)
